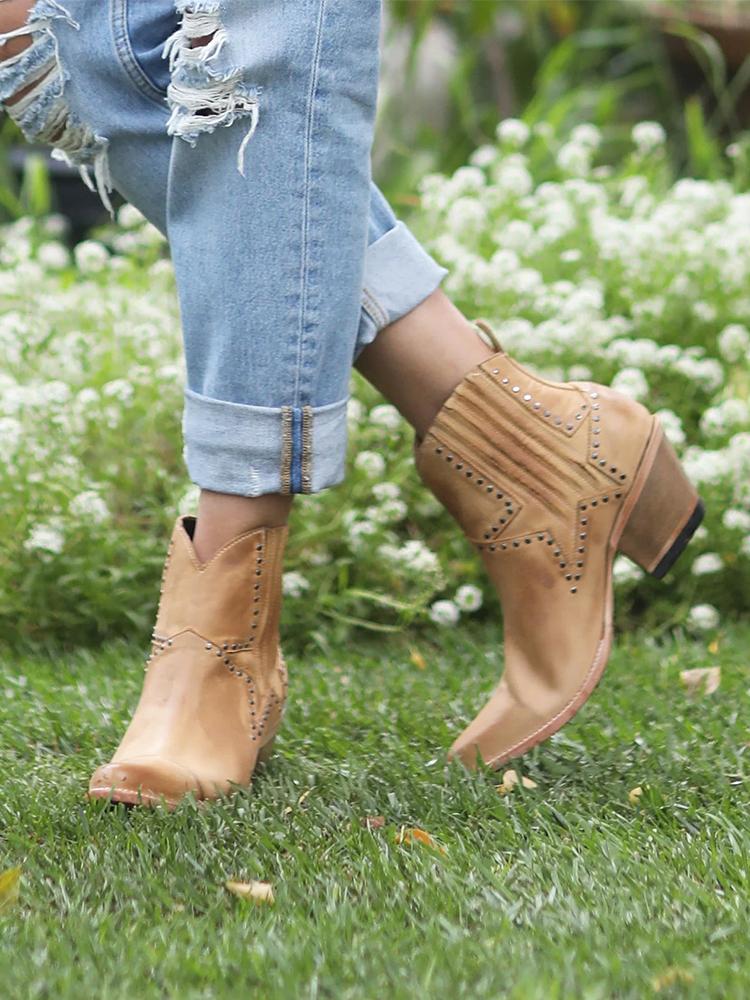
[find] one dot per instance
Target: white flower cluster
(587, 271)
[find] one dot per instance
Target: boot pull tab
(487, 334)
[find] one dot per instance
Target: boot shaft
(233, 600)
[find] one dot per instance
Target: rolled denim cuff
(252, 450)
(399, 274)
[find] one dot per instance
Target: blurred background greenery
(453, 68)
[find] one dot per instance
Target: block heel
(666, 513)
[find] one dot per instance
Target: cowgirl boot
(549, 481)
(215, 680)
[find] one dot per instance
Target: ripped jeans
(241, 129)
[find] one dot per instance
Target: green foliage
(588, 271)
(562, 62)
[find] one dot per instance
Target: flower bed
(587, 271)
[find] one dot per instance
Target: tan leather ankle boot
(549, 481)
(216, 681)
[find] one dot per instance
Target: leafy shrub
(587, 270)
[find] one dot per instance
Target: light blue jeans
(242, 129)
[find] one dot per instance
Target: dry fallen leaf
(303, 796)
(10, 886)
(411, 835)
(703, 680)
(634, 795)
(671, 977)
(258, 892)
(417, 659)
(511, 779)
(373, 822)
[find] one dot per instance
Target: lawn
(568, 889)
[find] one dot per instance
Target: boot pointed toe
(146, 781)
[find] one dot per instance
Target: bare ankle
(224, 516)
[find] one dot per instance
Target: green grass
(566, 890)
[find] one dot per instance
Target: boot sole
(657, 454)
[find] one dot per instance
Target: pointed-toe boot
(215, 682)
(549, 481)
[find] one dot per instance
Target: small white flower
(444, 613)
(513, 132)
(483, 157)
(672, 426)
(91, 257)
(385, 415)
(319, 557)
(129, 217)
(625, 571)
(355, 411)
(703, 617)
(45, 538)
(734, 342)
(55, 392)
(56, 226)
(10, 436)
(468, 597)
(87, 397)
(360, 530)
(648, 136)
(53, 256)
(631, 382)
(371, 463)
(386, 491)
(294, 584)
(90, 506)
(574, 158)
(189, 499)
(704, 311)
(745, 546)
(709, 562)
(587, 135)
(118, 388)
(736, 520)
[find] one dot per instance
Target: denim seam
(286, 449)
(128, 60)
(314, 80)
(307, 439)
(374, 309)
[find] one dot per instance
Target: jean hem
(399, 275)
(253, 450)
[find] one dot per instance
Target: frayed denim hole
(42, 112)
(201, 97)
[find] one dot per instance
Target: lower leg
(419, 360)
(224, 516)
